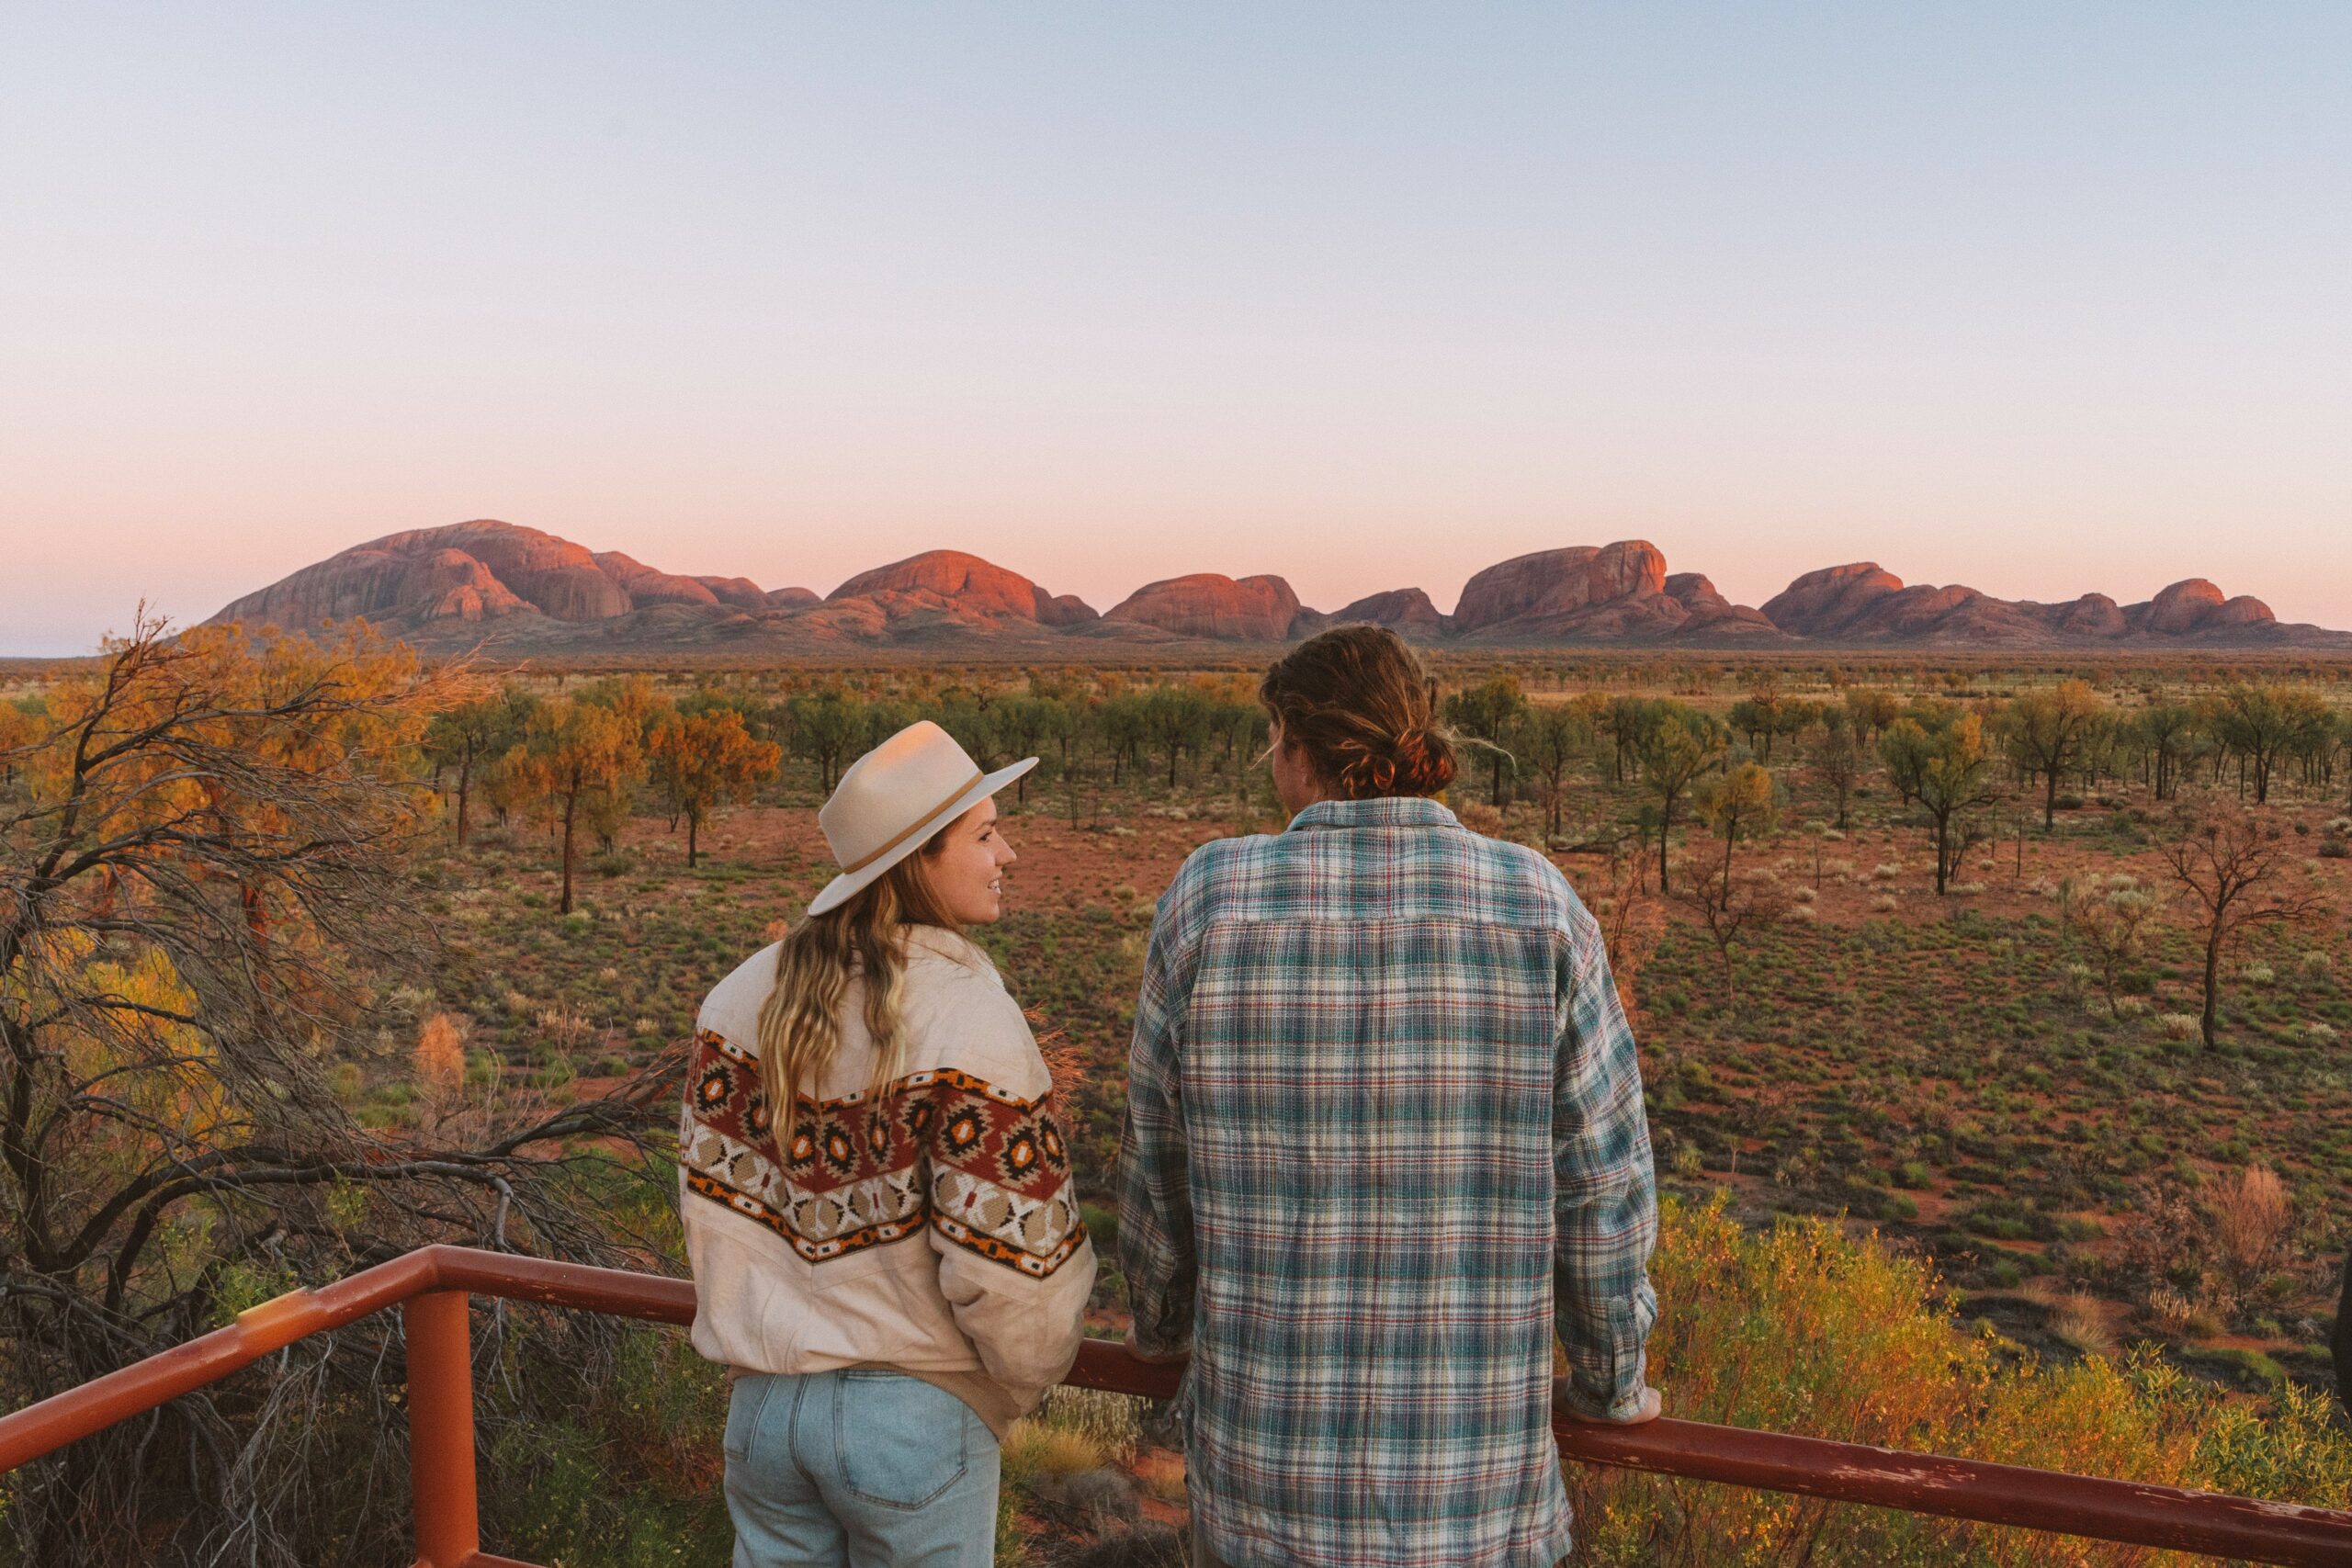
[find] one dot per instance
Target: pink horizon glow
(1367, 300)
(1319, 568)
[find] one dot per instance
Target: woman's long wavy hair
(800, 1023)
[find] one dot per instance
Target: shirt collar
(1387, 811)
(937, 941)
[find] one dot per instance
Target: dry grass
(1110, 1421)
(440, 1060)
(2251, 1218)
(1032, 1450)
(2077, 1321)
(2172, 1311)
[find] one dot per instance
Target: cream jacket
(932, 1230)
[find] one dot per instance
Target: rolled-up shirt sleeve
(1604, 1186)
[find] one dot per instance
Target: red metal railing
(431, 1286)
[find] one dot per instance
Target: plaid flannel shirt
(1384, 1136)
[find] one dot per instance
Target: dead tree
(204, 903)
(2234, 865)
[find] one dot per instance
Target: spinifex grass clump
(1805, 1329)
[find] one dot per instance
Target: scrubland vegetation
(1993, 1021)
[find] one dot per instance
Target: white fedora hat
(894, 798)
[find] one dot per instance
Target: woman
(886, 1251)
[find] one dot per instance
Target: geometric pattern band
(939, 1150)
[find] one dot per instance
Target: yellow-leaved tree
(205, 909)
(574, 751)
(699, 760)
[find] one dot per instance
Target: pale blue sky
(2043, 298)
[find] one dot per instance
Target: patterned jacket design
(931, 1228)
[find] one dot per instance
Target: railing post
(441, 1427)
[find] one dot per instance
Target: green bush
(631, 1478)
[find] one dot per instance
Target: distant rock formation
(2093, 614)
(1616, 592)
(2195, 606)
(434, 583)
(647, 586)
(1705, 610)
(1864, 603)
(963, 588)
(1406, 611)
(469, 573)
(742, 593)
(1206, 605)
(526, 591)
(1825, 601)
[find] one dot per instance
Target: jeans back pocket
(899, 1442)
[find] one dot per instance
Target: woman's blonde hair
(800, 1023)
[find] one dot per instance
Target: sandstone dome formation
(1616, 592)
(1207, 604)
(1826, 601)
(965, 584)
(2195, 606)
(466, 572)
(1406, 611)
(531, 593)
(1863, 604)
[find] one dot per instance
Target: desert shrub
(628, 1479)
(1885, 904)
(1111, 1422)
(2316, 1033)
(2180, 1025)
(1480, 818)
(2170, 1311)
(2251, 1218)
(2076, 1320)
(1034, 1449)
(1803, 1329)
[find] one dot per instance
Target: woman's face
(967, 874)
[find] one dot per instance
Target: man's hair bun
(1424, 761)
(1361, 705)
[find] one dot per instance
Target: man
(1385, 1135)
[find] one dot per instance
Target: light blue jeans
(858, 1469)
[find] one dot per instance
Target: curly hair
(1363, 707)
